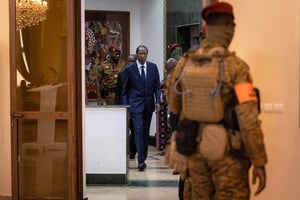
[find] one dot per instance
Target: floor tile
(156, 182)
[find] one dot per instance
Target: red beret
(173, 46)
(218, 7)
(114, 47)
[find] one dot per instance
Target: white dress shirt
(139, 65)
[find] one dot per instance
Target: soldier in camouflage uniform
(108, 72)
(175, 50)
(227, 178)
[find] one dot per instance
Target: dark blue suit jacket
(139, 94)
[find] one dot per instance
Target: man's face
(170, 64)
(142, 55)
(115, 55)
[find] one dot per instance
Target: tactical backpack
(201, 81)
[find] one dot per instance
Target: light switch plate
(278, 107)
(268, 107)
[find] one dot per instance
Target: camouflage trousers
(226, 179)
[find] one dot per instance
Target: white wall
(5, 161)
(152, 27)
(267, 38)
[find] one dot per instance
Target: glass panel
(41, 55)
(43, 163)
(41, 70)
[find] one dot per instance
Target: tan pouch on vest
(213, 141)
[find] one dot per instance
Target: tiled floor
(156, 182)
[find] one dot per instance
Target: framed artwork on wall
(102, 29)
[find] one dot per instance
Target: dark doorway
(188, 36)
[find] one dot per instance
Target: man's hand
(157, 107)
(259, 173)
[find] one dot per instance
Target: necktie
(143, 73)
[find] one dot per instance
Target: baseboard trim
(103, 179)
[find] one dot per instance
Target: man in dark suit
(141, 90)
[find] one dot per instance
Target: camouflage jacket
(235, 71)
(108, 73)
(176, 53)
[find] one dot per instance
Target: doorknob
(16, 115)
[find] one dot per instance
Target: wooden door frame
(74, 114)
(78, 98)
(12, 51)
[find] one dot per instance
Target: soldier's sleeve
(100, 71)
(173, 98)
(248, 115)
(92, 73)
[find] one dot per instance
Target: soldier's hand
(260, 174)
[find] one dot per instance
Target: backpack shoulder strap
(199, 55)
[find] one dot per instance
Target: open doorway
(143, 30)
(188, 36)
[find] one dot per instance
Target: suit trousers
(132, 148)
(141, 125)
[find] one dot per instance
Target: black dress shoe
(142, 166)
(175, 173)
